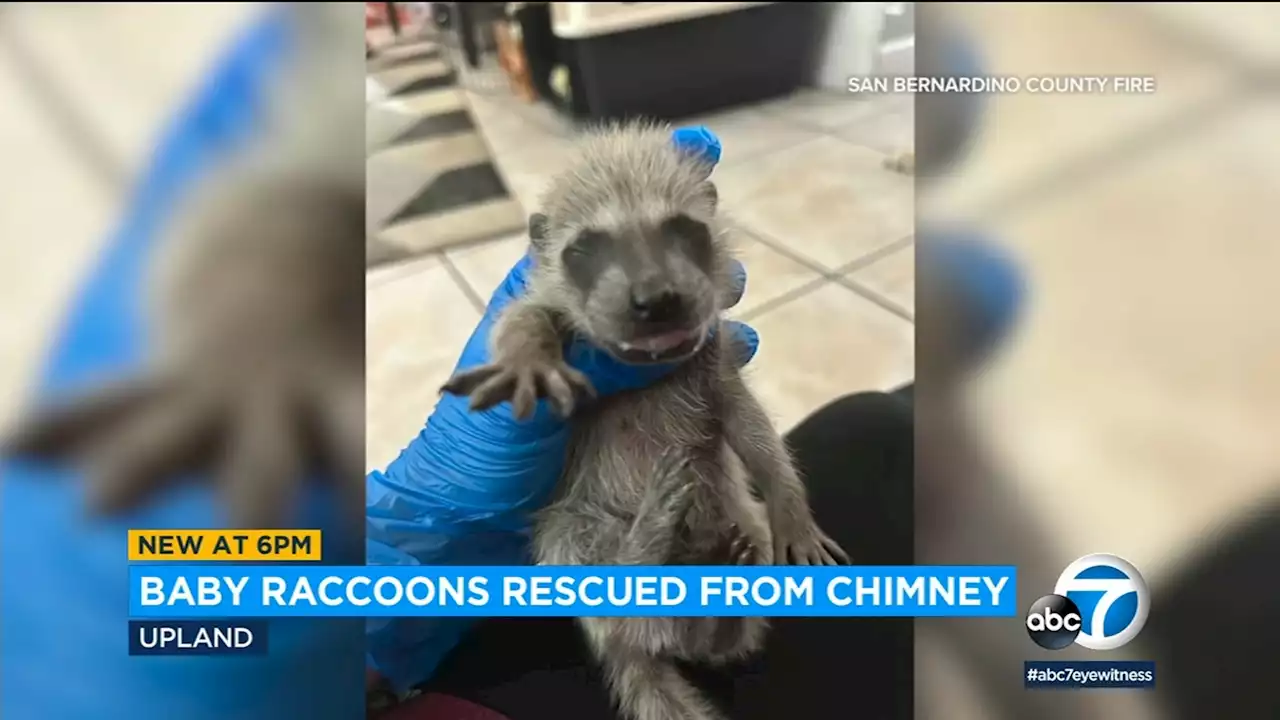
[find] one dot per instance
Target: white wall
(853, 43)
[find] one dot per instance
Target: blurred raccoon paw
(254, 436)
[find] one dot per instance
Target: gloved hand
(462, 492)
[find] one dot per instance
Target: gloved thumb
(743, 341)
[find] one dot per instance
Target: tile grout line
(876, 255)
(461, 281)
(76, 129)
(834, 276)
(786, 297)
(874, 297)
(733, 162)
(804, 124)
(885, 154)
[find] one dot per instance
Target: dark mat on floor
(442, 187)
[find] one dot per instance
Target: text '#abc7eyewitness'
(1101, 603)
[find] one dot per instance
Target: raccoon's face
(643, 290)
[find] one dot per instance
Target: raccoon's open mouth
(662, 347)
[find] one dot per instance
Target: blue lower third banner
(631, 591)
(197, 637)
(1089, 674)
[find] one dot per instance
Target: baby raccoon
(629, 255)
(257, 309)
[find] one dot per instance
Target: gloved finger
(737, 283)
(982, 278)
(969, 299)
(948, 121)
(698, 140)
(744, 341)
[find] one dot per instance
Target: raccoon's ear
(538, 229)
(712, 195)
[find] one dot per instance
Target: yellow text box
(230, 545)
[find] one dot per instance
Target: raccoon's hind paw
(804, 543)
(522, 382)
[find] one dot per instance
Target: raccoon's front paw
(523, 382)
(255, 434)
(799, 541)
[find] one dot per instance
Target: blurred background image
(1133, 410)
(116, 116)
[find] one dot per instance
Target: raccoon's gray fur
(257, 309)
(653, 475)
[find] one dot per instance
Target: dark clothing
(856, 457)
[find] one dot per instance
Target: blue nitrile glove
(462, 492)
(946, 123)
(984, 289)
(987, 281)
(64, 603)
(975, 293)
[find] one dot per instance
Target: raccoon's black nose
(658, 304)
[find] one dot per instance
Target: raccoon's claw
(806, 546)
(741, 550)
(522, 383)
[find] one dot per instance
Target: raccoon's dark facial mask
(645, 292)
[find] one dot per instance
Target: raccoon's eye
(691, 236)
(586, 257)
(586, 244)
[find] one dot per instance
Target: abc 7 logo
(1100, 602)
